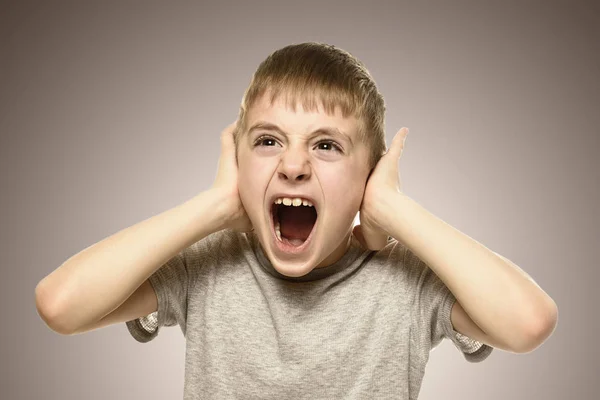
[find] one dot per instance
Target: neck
(338, 252)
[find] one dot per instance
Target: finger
(227, 137)
(227, 164)
(397, 145)
(228, 145)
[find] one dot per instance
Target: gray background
(111, 113)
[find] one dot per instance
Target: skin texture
(292, 160)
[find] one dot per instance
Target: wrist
(388, 207)
(211, 209)
(225, 207)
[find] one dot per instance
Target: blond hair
(313, 73)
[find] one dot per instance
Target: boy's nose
(294, 166)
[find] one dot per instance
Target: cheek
(344, 190)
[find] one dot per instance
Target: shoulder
(416, 275)
(396, 260)
(211, 249)
(394, 254)
(222, 240)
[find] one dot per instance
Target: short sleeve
(434, 302)
(473, 350)
(170, 283)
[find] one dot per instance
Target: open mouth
(293, 226)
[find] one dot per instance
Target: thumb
(398, 143)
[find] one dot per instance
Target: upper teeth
(296, 202)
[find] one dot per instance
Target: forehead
(282, 113)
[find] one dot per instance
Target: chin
(293, 271)
(295, 265)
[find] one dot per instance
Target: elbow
(538, 330)
(49, 311)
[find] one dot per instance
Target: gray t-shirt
(361, 328)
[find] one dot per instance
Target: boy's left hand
(383, 183)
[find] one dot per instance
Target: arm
(497, 302)
(97, 280)
(105, 283)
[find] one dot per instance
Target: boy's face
(292, 156)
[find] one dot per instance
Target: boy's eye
(264, 139)
(330, 145)
(327, 145)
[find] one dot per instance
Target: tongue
(296, 223)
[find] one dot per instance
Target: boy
(276, 294)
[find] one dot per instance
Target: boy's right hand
(226, 184)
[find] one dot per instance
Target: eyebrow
(332, 131)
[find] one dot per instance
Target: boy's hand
(226, 184)
(383, 183)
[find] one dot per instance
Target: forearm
(498, 296)
(95, 281)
